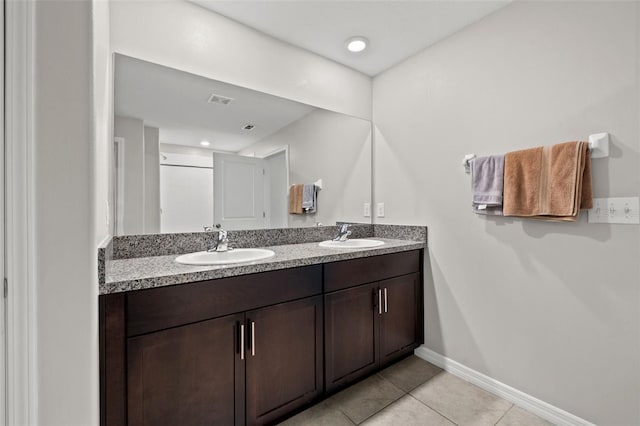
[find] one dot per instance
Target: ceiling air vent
(219, 99)
(248, 127)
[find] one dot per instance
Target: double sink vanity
(247, 336)
(254, 340)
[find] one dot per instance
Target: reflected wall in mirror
(192, 152)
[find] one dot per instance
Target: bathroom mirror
(191, 152)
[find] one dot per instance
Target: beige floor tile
(366, 398)
(520, 417)
(460, 401)
(407, 411)
(410, 373)
(319, 415)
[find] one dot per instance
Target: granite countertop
(148, 272)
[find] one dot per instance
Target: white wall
(132, 130)
(151, 180)
(552, 309)
(182, 35)
(187, 155)
(102, 120)
(66, 229)
(329, 146)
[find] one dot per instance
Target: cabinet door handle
(380, 301)
(253, 338)
(241, 341)
(385, 301)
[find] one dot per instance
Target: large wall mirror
(192, 152)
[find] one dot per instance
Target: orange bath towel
(548, 183)
(295, 199)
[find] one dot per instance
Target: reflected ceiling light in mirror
(205, 143)
(357, 44)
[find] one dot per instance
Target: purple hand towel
(487, 184)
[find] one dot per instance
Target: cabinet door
(189, 375)
(351, 334)
(284, 358)
(399, 326)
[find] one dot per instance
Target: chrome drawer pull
(385, 301)
(241, 341)
(253, 338)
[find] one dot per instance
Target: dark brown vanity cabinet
(251, 349)
(369, 325)
(191, 374)
(284, 359)
(199, 354)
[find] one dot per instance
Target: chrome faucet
(221, 240)
(343, 232)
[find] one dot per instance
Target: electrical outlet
(597, 213)
(615, 210)
(380, 210)
(367, 210)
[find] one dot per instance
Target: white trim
(22, 378)
(540, 408)
(3, 302)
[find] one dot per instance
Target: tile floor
(415, 392)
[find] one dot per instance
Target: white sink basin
(351, 244)
(224, 257)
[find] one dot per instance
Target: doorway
(277, 188)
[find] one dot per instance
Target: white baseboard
(540, 408)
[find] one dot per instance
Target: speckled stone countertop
(129, 274)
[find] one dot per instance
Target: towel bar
(465, 162)
(598, 146)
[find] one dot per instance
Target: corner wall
(550, 309)
(329, 146)
(66, 230)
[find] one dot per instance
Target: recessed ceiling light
(205, 143)
(248, 127)
(357, 44)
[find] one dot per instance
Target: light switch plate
(367, 210)
(615, 210)
(380, 210)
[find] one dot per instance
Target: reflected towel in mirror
(309, 197)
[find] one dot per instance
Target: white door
(238, 191)
(186, 198)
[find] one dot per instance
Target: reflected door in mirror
(238, 191)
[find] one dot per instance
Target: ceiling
(177, 103)
(396, 29)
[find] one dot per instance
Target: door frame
(284, 148)
(21, 373)
(118, 185)
(3, 307)
(267, 186)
